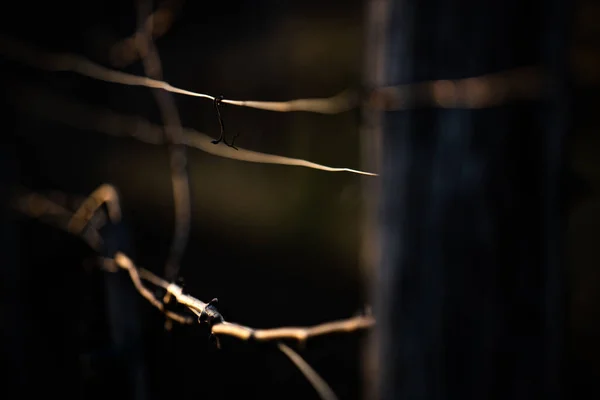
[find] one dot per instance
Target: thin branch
(86, 117)
(177, 151)
(20, 52)
(311, 375)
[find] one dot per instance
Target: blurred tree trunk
(470, 296)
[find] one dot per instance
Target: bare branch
(25, 54)
(177, 150)
(311, 375)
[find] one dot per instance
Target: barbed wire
(82, 116)
(26, 54)
(483, 91)
(86, 224)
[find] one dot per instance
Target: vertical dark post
(470, 289)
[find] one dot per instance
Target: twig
(174, 135)
(106, 121)
(20, 52)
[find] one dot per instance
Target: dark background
(277, 245)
